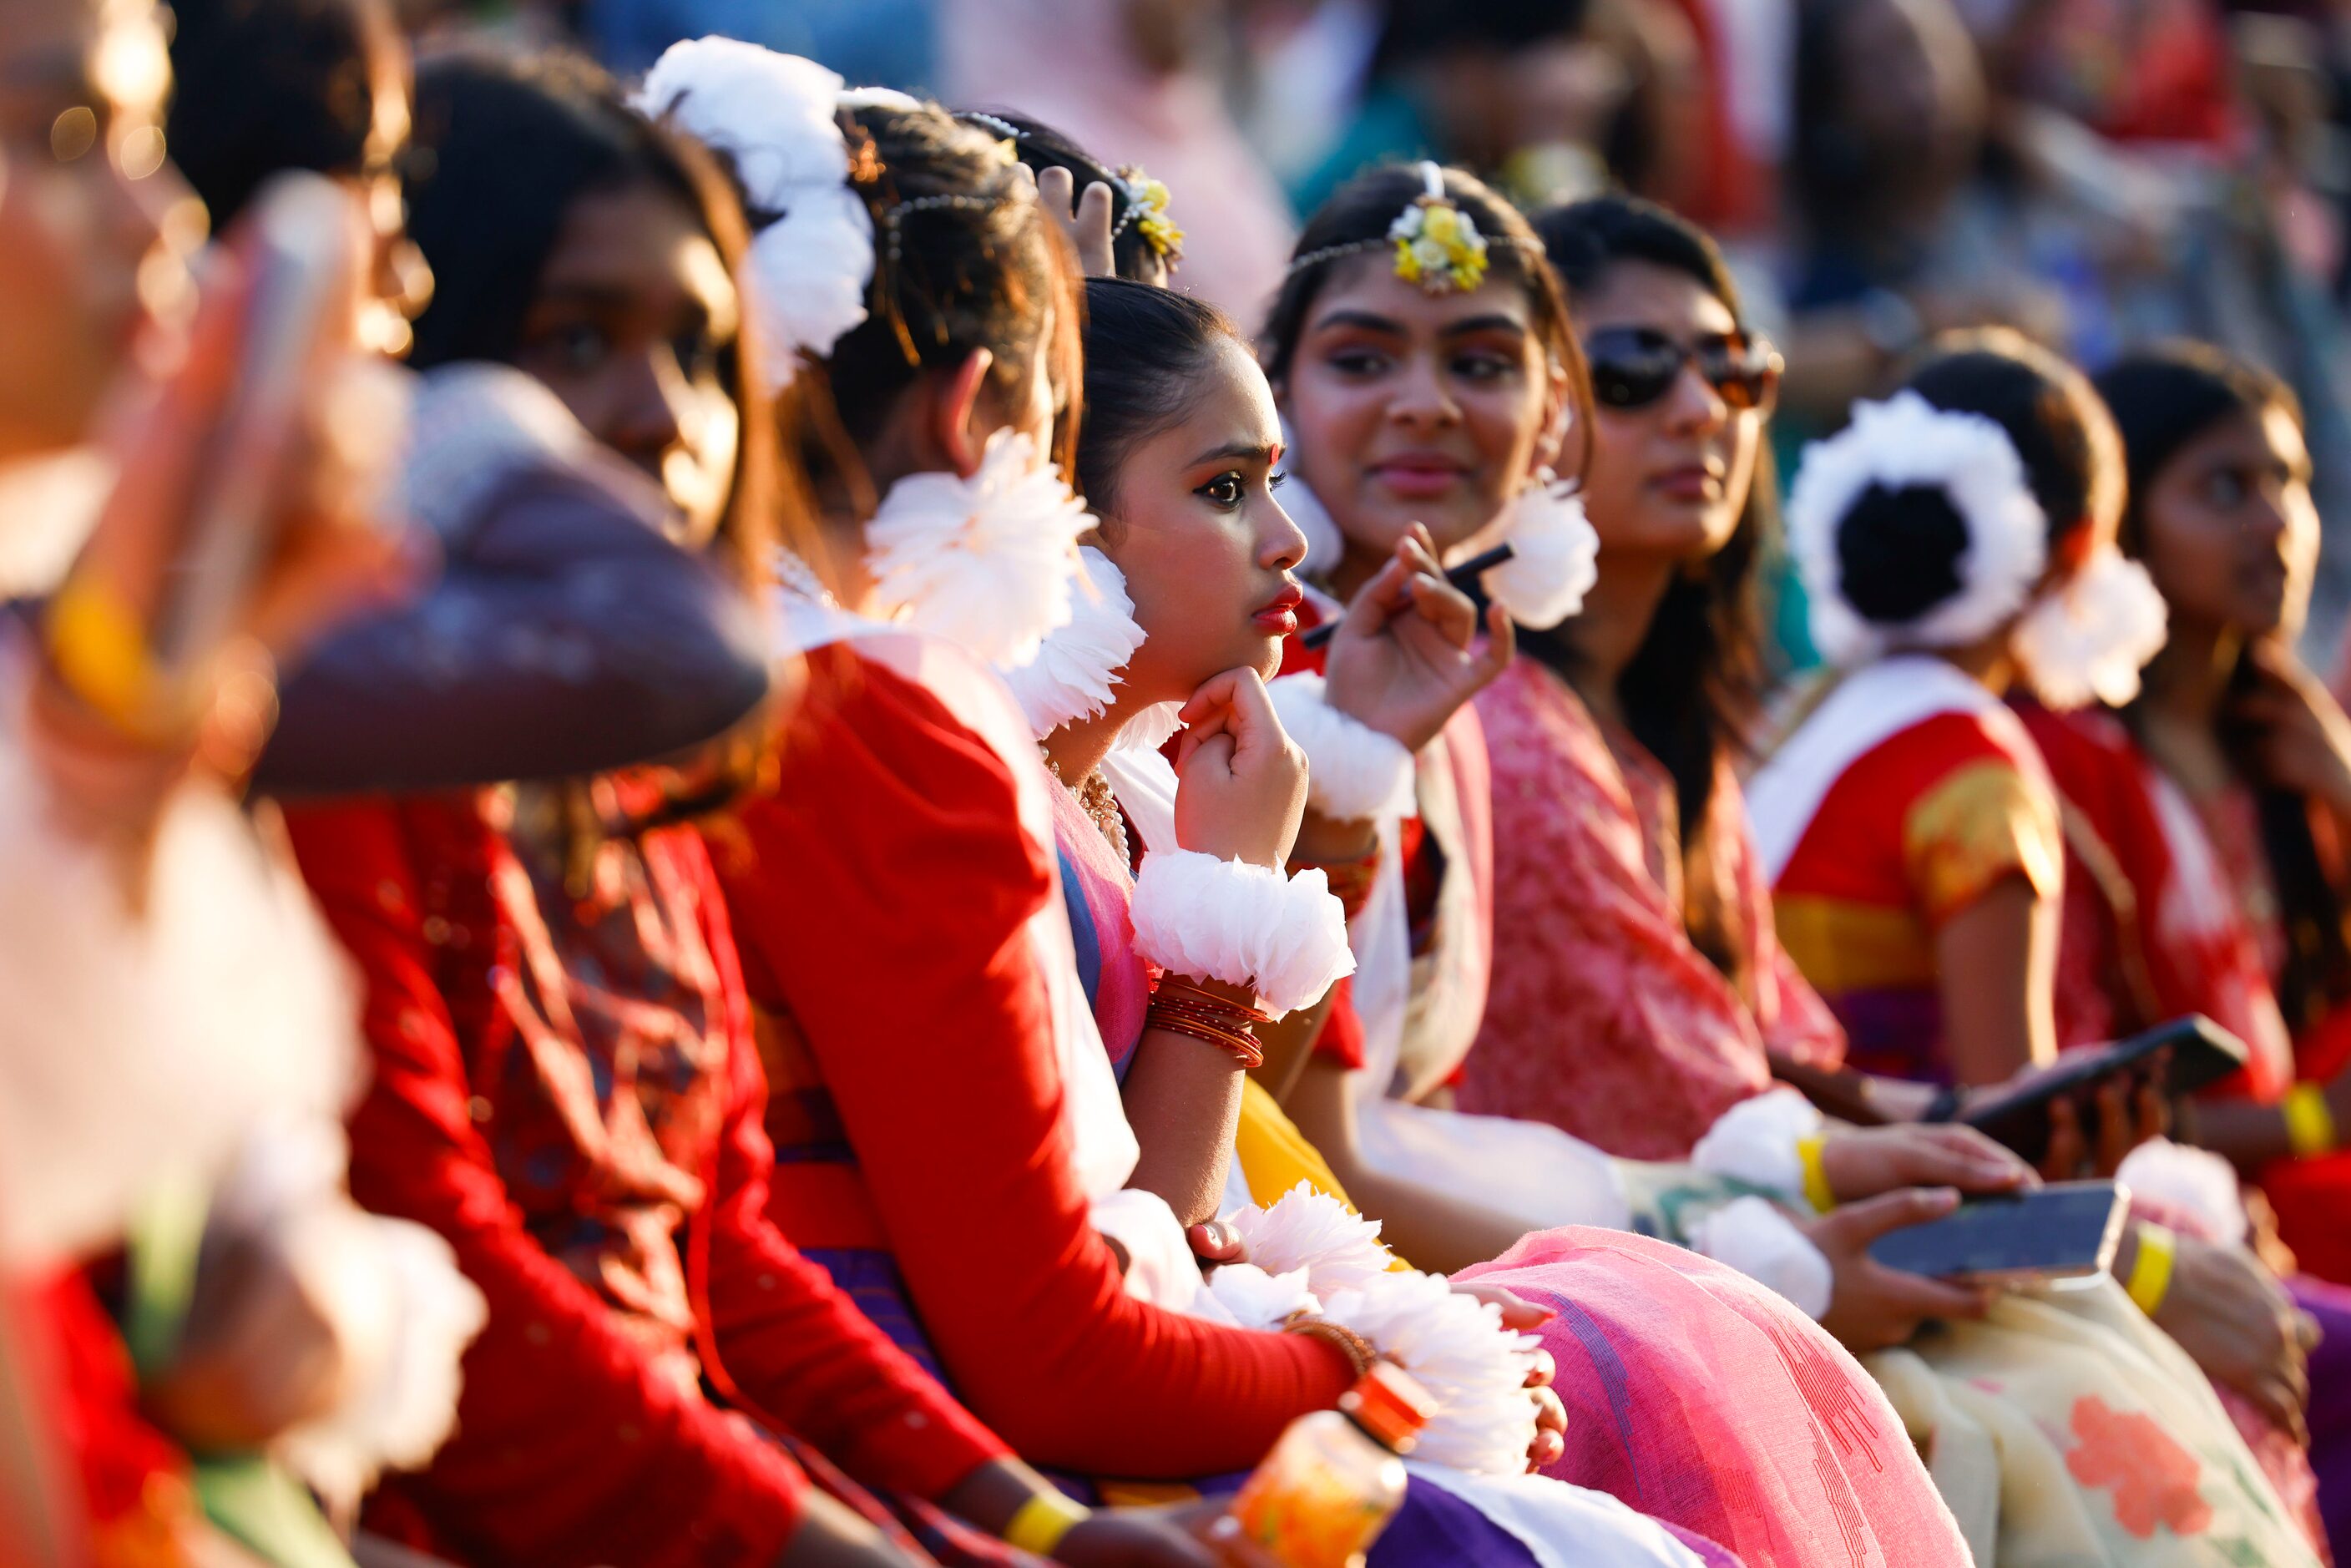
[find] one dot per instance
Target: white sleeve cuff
(1751, 1236)
(1284, 939)
(1755, 1141)
(1353, 771)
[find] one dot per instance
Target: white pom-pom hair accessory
(1285, 938)
(1907, 443)
(984, 562)
(1554, 555)
(1353, 771)
(2086, 640)
(776, 117)
(1072, 673)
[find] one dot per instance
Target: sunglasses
(1633, 367)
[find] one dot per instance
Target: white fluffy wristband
(1286, 940)
(1755, 1141)
(1353, 771)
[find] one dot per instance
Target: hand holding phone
(1873, 1306)
(2186, 1054)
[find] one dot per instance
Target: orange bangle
(1243, 1047)
(1171, 988)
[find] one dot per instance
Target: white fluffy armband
(1284, 939)
(2196, 1180)
(1456, 1347)
(1310, 1253)
(1338, 1248)
(1353, 771)
(1755, 1141)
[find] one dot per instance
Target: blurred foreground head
(85, 201)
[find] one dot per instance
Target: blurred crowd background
(2099, 173)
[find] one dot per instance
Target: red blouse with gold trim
(1914, 831)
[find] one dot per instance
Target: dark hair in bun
(1899, 552)
(2053, 417)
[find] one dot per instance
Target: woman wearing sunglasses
(1639, 991)
(1624, 897)
(1638, 994)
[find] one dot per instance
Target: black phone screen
(2056, 1230)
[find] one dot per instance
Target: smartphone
(2064, 1231)
(2202, 1054)
(299, 241)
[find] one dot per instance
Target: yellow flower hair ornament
(1437, 245)
(1146, 211)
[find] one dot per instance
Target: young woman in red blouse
(950, 1135)
(566, 1080)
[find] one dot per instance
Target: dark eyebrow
(1371, 322)
(1495, 323)
(1363, 318)
(1232, 450)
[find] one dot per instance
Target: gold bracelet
(2150, 1275)
(2309, 1120)
(1039, 1524)
(1360, 1352)
(1816, 1179)
(100, 654)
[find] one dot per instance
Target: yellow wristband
(99, 653)
(96, 643)
(1042, 1521)
(1816, 1180)
(2150, 1275)
(2309, 1120)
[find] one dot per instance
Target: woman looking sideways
(1448, 403)
(1172, 507)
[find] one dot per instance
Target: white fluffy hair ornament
(1907, 443)
(1078, 663)
(986, 562)
(777, 119)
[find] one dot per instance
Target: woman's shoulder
(895, 755)
(1912, 762)
(1533, 721)
(905, 704)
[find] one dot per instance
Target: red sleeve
(570, 1447)
(792, 1342)
(878, 895)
